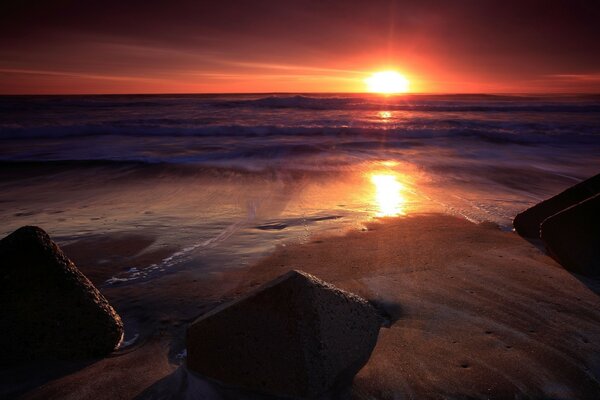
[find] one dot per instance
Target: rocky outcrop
(572, 237)
(528, 222)
(295, 336)
(50, 310)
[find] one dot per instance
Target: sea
(224, 179)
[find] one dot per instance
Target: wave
(122, 170)
(100, 102)
(460, 104)
(146, 166)
(136, 130)
(409, 102)
(277, 139)
(502, 132)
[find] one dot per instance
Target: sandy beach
(473, 312)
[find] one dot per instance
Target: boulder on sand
(295, 336)
(49, 309)
(572, 237)
(528, 222)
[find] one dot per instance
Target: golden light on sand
(387, 82)
(388, 195)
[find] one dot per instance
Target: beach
(173, 205)
(473, 312)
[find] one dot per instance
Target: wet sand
(473, 312)
(101, 257)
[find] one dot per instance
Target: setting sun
(387, 82)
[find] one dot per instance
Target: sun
(387, 82)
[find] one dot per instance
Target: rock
(295, 336)
(572, 237)
(50, 310)
(528, 222)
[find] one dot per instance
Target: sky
(201, 46)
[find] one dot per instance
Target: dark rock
(528, 222)
(296, 336)
(572, 237)
(50, 310)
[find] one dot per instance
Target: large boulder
(296, 336)
(49, 309)
(528, 222)
(572, 237)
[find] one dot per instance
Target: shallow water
(224, 179)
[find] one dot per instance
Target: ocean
(223, 179)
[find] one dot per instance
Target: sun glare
(387, 82)
(387, 195)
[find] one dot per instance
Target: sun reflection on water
(388, 195)
(384, 115)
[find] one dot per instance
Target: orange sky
(298, 46)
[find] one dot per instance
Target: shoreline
(473, 311)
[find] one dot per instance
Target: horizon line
(309, 93)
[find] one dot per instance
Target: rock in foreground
(572, 237)
(50, 310)
(295, 336)
(528, 222)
